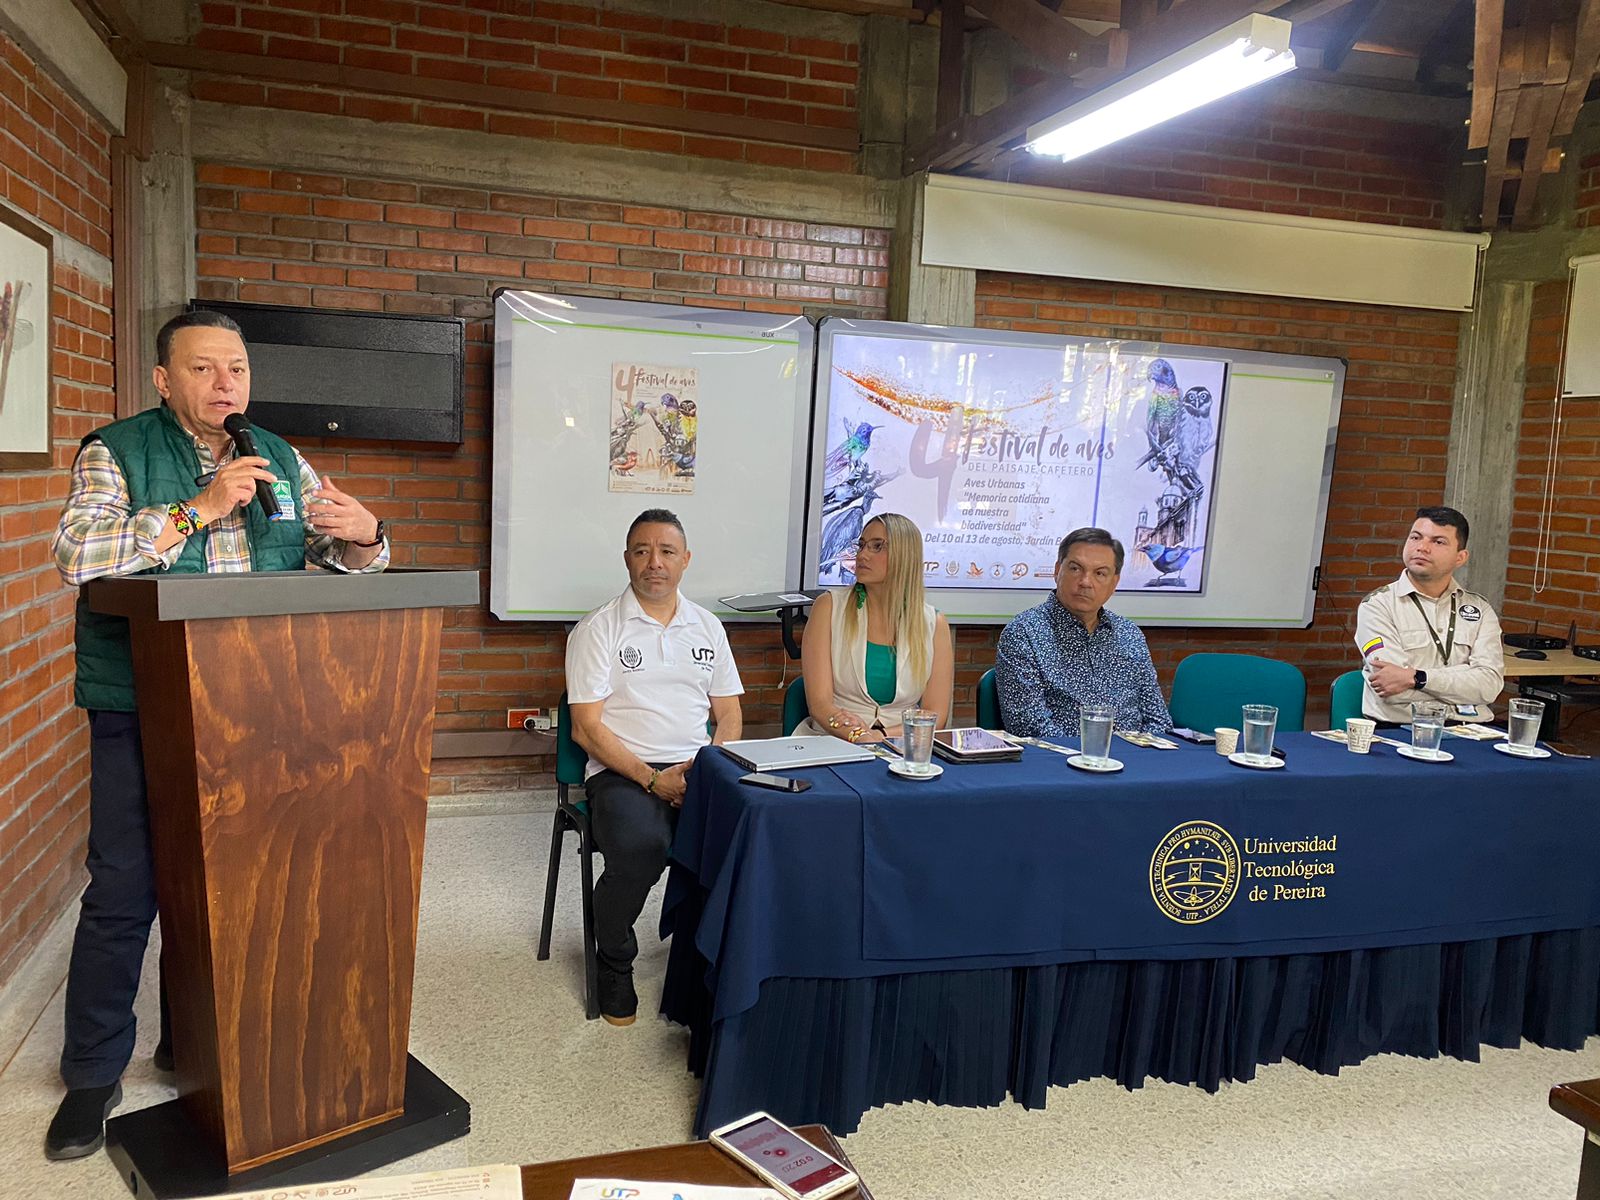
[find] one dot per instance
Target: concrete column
(881, 98)
(166, 270)
(1485, 424)
(926, 295)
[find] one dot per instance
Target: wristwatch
(1419, 680)
(377, 541)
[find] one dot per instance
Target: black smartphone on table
(1193, 735)
(778, 783)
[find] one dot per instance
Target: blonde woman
(878, 647)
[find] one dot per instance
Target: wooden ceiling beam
(1585, 61)
(1546, 101)
(952, 62)
(1494, 177)
(1488, 28)
(1053, 39)
(1348, 33)
(1303, 12)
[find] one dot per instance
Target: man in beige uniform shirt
(1425, 637)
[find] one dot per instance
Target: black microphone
(238, 428)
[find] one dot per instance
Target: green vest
(159, 462)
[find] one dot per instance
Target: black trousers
(633, 830)
(116, 911)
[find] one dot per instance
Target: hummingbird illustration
(849, 452)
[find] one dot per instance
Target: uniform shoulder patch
(1376, 592)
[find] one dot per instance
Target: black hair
(1089, 536)
(657, 516)
(200, 318)
(1440, 515)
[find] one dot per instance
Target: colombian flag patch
(1375, 644)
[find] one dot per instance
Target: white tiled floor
(508, 1033)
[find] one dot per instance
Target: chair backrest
(988, 701)
(1344, 699)
(1209, 691)
(570, 757)
(794, 705)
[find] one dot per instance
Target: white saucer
(1411, 752)
(1516, 752)
(898, 766)
(1240, 760)
(1109, 766)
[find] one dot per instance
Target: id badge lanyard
(1444, 648)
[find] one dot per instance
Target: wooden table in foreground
(1580, 1103)
(691, 1162)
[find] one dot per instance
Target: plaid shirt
(100, 534)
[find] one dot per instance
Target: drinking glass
(1095, 723)
(1260, 724)
(1427, 727)
(1522, 726)
(916, 728)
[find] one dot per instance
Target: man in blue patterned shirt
(1071, 651)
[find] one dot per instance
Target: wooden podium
(287, 722)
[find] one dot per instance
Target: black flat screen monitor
(370, 376)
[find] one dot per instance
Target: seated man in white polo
(644, 671)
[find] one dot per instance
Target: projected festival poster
(998, 451)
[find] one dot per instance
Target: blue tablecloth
(1182, 856)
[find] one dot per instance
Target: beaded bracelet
(186, 519)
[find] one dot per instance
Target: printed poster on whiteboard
(655, 423)
(997, 451)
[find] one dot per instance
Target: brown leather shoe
(619, 1004)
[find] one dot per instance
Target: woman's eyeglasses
(872, 546)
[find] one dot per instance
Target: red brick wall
(55, 169)
(1558, 586)
(1258, 152)
(568, 50)
(1586, 205)
(1390, 456)
(291, 238)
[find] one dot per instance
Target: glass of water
(1260, 724)
(1523, 724)
(1427, 727)
(916, 728)
(1095, 722)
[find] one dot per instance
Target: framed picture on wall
(26, 270)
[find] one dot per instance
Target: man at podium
(166, 490)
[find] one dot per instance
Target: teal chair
(988, 701)
(794, 705)
(1344, 699)
(1209, 691)
(574, 815)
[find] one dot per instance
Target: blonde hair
(908, 612)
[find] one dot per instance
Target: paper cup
(1358, 732)
(1227, 741)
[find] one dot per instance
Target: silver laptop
(781, 754)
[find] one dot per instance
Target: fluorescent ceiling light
(1244, 54)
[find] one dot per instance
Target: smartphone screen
(1194, 735)
(784, 1155)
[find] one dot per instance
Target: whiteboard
(575, 376)
(1257, 485)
